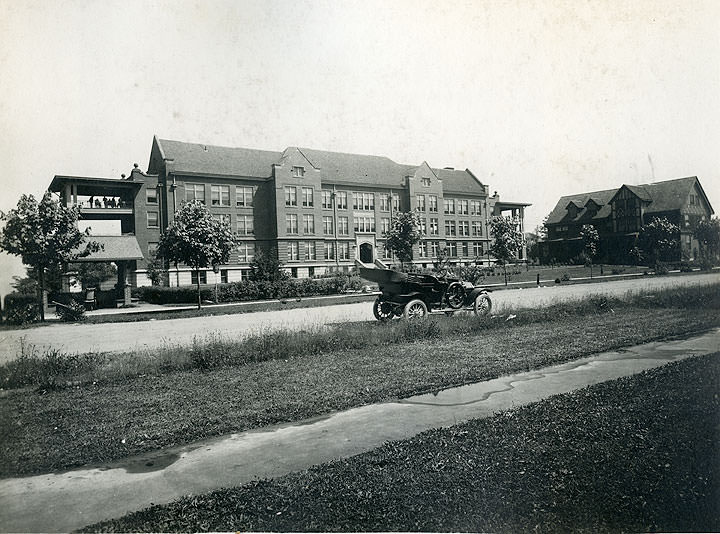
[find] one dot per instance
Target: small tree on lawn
(657, 240)
(266, 267)
(404, 233)
(507, 240)
(708, 235)
(197, 240)
(45, 235)
(590, 239)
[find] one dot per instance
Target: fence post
(538, 279)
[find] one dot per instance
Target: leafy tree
(658, 240)
(28, 284)
(93, 274)
(404, 233)
(266, 267)
(196, 239)
(708, 235)
(507, 240)
(45, 235)
(156, 271)
(590, 239)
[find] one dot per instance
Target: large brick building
(319, 210)
(618, 214)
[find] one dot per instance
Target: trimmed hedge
(21, 308)
(248, 290)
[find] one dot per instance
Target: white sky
(538, 99)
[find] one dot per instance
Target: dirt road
(115, 337)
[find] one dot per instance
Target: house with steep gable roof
(618, 214)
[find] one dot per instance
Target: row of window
(454, 249)
(220, 194)
(308, 251)
(360, 224)
(360, 201)
(451, 206)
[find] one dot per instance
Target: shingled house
(319, 210)
(618, 215)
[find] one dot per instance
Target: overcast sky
(538, 99)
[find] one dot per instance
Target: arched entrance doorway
(366, 253)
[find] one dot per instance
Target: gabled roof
(457, 181)
(334, 167)
(669, 195)
(197, 158)
(560, 214)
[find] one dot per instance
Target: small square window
(298, 172)
(223, 276)
(152, 219)
(151, 196)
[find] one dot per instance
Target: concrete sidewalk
(66, 501)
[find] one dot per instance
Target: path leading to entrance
(66, 501)
(116, 337)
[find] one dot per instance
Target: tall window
(384, 202)
(432, 203)
(464, 228)
(152, 219)
(395, 202)
(478, 249)
(307, 197)
(310, 250)
(343, 251)
(363, 201)
(195, 192)
(343, 226)
(449, 204)
(450, 228)
(243, 196)
(290, 196)
(422, 249)
(341, 200)
(291, 223)
(426, 182)
(329, 251)
(327, 225)
(420, 199)
(151, 195)
(462, 206)
(298, 172)
(434, 248)
(220, 195)
(477, 228)
(308, 224)
(465, 249)
(475, 207)
(326, 196)
(293, 251)
(364, 223)
(434, 226)
(245, 225)
(385, 225)
(452, 249)
(246, 252)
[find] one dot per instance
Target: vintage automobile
(415, 295)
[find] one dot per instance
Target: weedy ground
(636, 454)
(61, 411)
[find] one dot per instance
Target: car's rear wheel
(382, 310)
(415, 309)
(483, 304)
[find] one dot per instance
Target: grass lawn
(637, 454)
(99, 421)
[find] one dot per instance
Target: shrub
(661, 268)
(71, 312)
(21, 308)
(565, 277)
(617, 270)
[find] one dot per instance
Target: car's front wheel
(483, 304)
